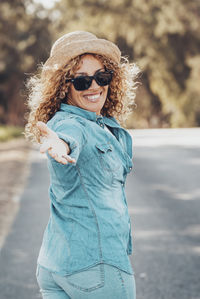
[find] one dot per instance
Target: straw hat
(76, 43)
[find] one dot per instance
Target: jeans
(100, 281)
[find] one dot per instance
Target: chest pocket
(108, 159)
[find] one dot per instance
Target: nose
(94, 84)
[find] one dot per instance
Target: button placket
(99, 121)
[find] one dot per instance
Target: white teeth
(94, 97)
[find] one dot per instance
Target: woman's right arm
(56, 147)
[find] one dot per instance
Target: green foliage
(9, 132)
(162, 37)
(25, 41)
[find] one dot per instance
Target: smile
(93, 97)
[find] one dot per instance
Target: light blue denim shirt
(89, 221)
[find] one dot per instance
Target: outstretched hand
(56, 147)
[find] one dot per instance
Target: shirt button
(130, 168)
(122, 184)
(101, 125)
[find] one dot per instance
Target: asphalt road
(163, 194)
(164, 202)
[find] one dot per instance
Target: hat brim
(76, 48)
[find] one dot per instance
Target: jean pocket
(88, 280)
(107, 157)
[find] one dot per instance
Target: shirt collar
(110, 121)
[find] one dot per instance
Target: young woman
(84, 87)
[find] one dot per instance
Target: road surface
(163, 193)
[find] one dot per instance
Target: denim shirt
(89, 222)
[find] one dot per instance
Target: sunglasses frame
(72, 80)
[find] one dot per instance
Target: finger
(61, 160)
(42, 127)
(45, 146)
(57, 157)
(44, 130)
(52, 153)
(69, 159)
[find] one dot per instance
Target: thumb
(44, 130)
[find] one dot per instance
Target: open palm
(56, 147)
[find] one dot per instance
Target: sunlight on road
(176, 193)
(159, 137)
(12, 155)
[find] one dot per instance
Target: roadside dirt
(14, 170)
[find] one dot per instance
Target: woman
(84, 86)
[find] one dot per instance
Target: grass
(10, 132)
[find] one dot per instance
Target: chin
(92, 107)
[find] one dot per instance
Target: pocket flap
(104, 147)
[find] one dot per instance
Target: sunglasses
(84, 82)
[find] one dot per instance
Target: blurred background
(162, 37)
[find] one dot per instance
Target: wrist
(68, 150)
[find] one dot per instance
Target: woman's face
(93, 98)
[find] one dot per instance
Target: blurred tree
(25, 41)
(162, 37)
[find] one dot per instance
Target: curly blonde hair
(47, 90)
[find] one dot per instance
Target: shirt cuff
(73, 145)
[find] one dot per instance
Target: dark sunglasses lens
(103, 78)
(82, 82)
